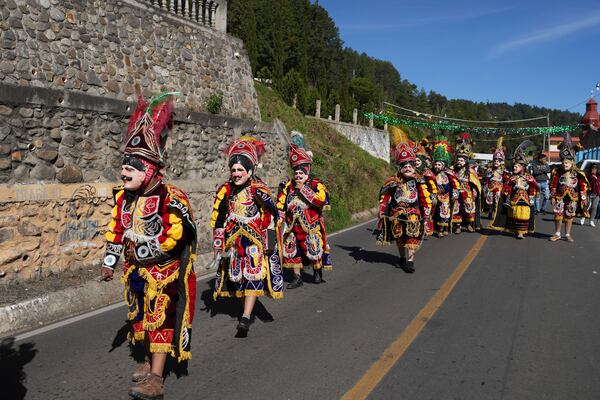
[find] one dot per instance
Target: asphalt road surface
(522, 322)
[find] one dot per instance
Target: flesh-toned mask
(567, 164)
(518, 168)
(300, 177)
(132, 178)
(239, 174)
(407, 170)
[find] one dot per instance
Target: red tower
(590, 125)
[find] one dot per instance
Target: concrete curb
(93, 295)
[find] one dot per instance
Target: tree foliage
(297, 44)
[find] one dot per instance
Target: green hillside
(352, 175)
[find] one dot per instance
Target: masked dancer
(153, 225)
(243, 210)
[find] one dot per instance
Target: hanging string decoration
(447, 126)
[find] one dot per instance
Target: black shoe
(243, 327)
(543, 212)
(410, 267)
(402, 263)
(296, 283)
(317, 276)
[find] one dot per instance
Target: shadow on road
(12, 361)
(360, 254)
(231, 306)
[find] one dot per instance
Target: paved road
(521, 323)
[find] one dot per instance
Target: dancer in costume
(152, 223)
(447, 186)
(467, 208)
(516, 212)
(404, 204)
(301, 201)
(568, 190)
(243, 210)
(494, 178)
(422, 164)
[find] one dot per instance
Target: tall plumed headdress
(498, 151)
(567, 148)
(402, 148)
(144, 136)
(521, 154)
(298, 153)
(248, 147)
(464, 147)
(442, 151)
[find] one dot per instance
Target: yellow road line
(392, 354)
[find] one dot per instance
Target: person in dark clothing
(594, 195)
(540, 170)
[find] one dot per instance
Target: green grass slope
(352, 175)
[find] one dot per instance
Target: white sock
(557, 234)
(246, 316)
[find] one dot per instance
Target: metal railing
(201, 11)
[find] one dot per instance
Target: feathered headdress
(498, 151)
(298, 153)
(567, 149)
(402, 148)
(442, 151)
(464, 147)
(146, 126)
(521, 154)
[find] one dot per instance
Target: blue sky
(544, 53)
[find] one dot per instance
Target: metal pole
(547, 134)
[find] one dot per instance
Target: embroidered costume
(447, 186)
(423, 163)
(404, 203)
(240, 218)
(515, 213)
(494, 178)
(467, 208)
(568, 190)
(301, 207)
(156, 232)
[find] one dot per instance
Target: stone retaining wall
(116, 49)
(59, 159)
(376, 142)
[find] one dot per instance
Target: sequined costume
(493, 179)
(304, 235)
(429, 178)
(154, 228)
(447, 186)
(515, 213)
(248, 265)
(157, 234)
(404, 206)
(467, 208)
(569, 190)
(493, 182)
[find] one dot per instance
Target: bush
(214, 103)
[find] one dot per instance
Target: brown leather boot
(141, 371)
(150, 388)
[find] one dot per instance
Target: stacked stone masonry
(119, 48)
(58, 164)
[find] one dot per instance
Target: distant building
(590, 136)
(554, 141)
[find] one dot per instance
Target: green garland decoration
(386, 119)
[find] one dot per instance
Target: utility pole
(544, 145)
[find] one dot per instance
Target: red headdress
(146, 124)
(403, 149)
(299, 156)
(248, 147)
